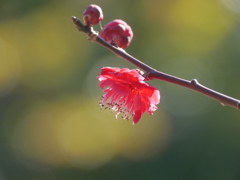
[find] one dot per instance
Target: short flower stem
(154, 74)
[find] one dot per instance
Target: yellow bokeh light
(62, 133)
(10, 66)
(73, 131)
(143, 140)
(86, 142)
(34, 135)
(47, 49)
(192, 27)
(233, 5)
(197, 26)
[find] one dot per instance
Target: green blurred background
(51, 127)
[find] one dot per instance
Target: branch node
(92, 35)
(194, 82)
(148, 75)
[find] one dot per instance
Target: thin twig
(151, 73)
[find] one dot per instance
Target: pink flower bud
(117, 33)
(92, 15)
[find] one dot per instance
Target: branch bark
(152, 73)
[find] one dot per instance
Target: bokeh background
(51, 127)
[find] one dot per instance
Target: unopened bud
(117, 33)
(92, 15)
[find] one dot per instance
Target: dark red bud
(92, 15)
(117, 33)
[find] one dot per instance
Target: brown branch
(154, 74)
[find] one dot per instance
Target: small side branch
(151, 73)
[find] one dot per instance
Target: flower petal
(106, 83)
(122, 89)
(155, 98)
(137, 116)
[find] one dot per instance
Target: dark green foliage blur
(50, 125)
